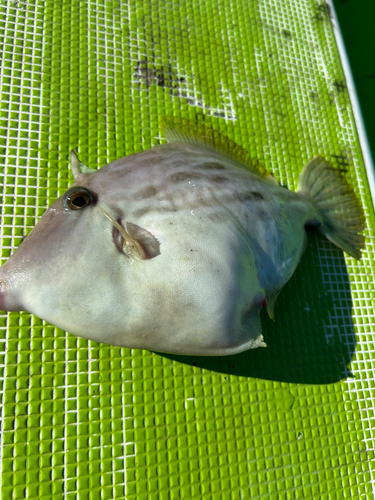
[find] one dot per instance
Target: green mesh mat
(81, 420)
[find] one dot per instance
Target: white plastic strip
(369, 164)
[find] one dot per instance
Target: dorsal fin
(181, 130)
(78, 167)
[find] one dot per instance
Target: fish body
(177, 250)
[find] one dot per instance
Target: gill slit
(126, 236)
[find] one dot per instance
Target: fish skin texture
(200, 244)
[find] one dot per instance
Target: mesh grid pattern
(84, 420)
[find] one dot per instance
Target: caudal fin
(340, 213)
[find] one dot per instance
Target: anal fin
(271, 300)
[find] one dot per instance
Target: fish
(178, 248)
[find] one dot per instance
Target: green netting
(84, 420)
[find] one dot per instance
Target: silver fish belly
(176, 249)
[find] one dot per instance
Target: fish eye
(78, 198)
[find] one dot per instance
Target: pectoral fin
(147, 245)
(135, 241)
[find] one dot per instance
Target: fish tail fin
(340, 215)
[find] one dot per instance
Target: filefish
(176, 249)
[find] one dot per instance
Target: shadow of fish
(175, 249)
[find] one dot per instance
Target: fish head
(66, 270)
(50, 259)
